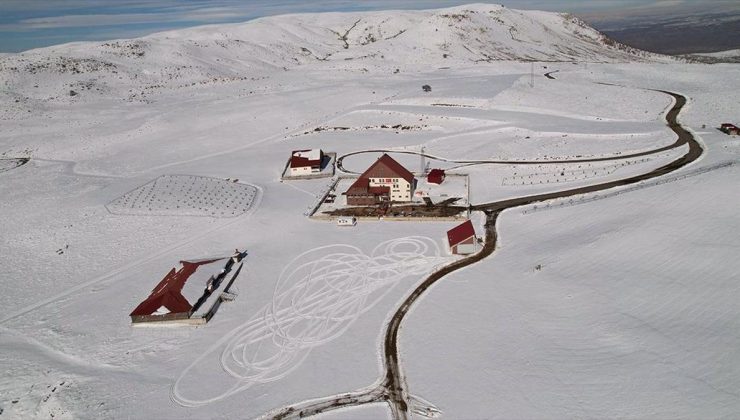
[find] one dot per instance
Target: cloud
(185, 15)
(207, 15)
(101, 13)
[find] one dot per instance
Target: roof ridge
(393, 165)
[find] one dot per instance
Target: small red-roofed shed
(306, 162)
(462, 240)
(436, 176)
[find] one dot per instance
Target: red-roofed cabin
(730, 129)
(384, 180)
(462, 239)
(306, 162)
(166, 302)
(436, 176)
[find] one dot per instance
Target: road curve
(393, 388)
(684, 137)
(394, 380)
(680, 141)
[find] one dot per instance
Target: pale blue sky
(26, 24)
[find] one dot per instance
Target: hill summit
(368, 41)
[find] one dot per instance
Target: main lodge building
(385, 180)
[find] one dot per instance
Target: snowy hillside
(604, 196)
(252, 51)
(729, 56)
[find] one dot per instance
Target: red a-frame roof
(168, 292)
(460, 233)
(387, 167)
(384, 167)
(300, 158)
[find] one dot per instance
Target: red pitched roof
(359, 187)
(436, 176)
(384, 167)
(297, 160)
(362, 187)
(460, 233)
(168, 292)
(387, 167)
(379, 190)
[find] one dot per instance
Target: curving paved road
(394, 382)
(392, 388)
(672, 123)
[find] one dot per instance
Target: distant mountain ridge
(368, 41)
(729, 56)
(700, 28)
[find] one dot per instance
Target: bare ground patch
(8, 164)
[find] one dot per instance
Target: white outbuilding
(306, 162)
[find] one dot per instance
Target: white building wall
(465, 249)
(301, 170)
(401, 190)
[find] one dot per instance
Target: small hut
(306, 162)
(436, 176)
(462, 240)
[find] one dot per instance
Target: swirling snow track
(319, 295)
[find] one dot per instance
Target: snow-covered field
(625, 306)
(185, 195)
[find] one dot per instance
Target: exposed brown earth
(16, 162)
(406, 210)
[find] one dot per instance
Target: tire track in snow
(318, 297)
(394, 388)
